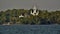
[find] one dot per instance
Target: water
(30, 29)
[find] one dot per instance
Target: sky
(27, 4)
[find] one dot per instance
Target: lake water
(30, 29)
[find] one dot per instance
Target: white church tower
(35, 12)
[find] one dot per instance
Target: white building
(35, 11)
(21, 16)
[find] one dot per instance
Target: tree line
(44, 17)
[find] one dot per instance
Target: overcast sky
(27, 4)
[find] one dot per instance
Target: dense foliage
(44, 17)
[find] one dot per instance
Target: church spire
(34, 12)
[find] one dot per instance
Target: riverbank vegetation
(44, 17)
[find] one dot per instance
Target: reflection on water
(30, 29)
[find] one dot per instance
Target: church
(33, 12)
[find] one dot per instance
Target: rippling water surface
(30, 29)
